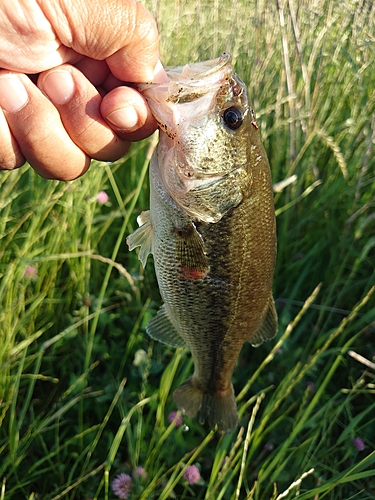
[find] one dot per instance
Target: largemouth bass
(211, 230)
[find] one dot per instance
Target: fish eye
(233, 117)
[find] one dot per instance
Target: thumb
(121, 32)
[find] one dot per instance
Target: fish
(211, 230)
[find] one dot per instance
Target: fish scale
(212, 233)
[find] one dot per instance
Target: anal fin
(161, 328)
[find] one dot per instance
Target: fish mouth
(202, 183)
(208, 200)
(192, 92)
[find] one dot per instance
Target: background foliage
(84, 394)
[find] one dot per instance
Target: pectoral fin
(190, 253)
(142, 237)
(268, 327)
(161, 328)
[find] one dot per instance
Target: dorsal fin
(268, 327)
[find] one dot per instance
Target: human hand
(62, 99)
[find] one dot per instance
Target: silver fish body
(211, 230)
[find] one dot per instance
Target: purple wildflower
(359, 443)
(310, 386)
(176, 417)
(268, 447)
(192, 474)
(102, 197)
(31, 272)
(140, 473)
(121, 485)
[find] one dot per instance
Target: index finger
(122, 32)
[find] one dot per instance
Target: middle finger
(78, 103)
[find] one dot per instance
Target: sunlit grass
(85, 395)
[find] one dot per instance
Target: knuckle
(10, 156)
(8, 164)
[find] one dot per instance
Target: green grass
(85, 394)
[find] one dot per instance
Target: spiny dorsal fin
(268, 327)
(161, 328)
(142, 237)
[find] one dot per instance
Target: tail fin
(188, 397)
(218, 409)
(221, 410)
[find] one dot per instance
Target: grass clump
(85, 395)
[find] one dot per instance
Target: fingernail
(59, 86)
(124, 118)
(160, 76)
(13, 95)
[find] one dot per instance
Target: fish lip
(212, 66)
